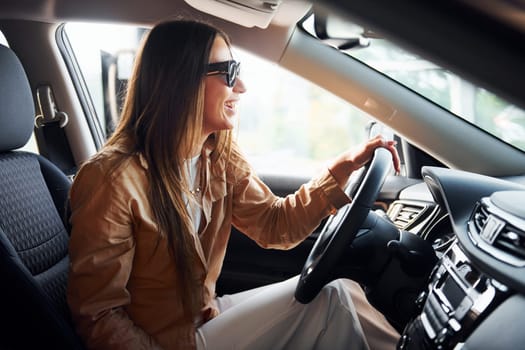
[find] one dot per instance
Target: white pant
(269, 318)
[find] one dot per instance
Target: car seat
(34, 259)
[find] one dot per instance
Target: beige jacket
(122, 292)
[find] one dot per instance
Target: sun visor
(248, 13)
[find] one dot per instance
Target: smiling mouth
(230, 105)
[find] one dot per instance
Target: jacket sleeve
(281, 223)
(101, 252)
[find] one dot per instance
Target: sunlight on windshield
(468, 101)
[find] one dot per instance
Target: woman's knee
(337, 292)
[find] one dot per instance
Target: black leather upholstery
(33, 237)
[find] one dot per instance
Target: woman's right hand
(351, 160)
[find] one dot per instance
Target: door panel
(247, 265)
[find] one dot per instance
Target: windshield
(466, 100)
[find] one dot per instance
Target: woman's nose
(239, 86)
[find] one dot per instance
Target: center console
(458, 297)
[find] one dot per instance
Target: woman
(152, 212)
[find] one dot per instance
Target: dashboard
(476, 225)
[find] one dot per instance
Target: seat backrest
(33, 239)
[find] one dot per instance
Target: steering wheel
(341, 228)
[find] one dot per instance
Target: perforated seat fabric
(33, 237)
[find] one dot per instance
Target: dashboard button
(463, 308)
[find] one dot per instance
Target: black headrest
(17, 111)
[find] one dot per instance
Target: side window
(287, 125)
(104, 53)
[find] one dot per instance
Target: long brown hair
(162, 117)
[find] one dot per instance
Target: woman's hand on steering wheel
(349, 161)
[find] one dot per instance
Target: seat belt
(49, 131)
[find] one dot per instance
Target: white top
(192, 204)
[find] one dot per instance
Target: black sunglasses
(230, 69)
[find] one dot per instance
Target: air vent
(480, 217)
(493, 230)
(511, 240)
(405, 214)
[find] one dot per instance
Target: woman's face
(220, 101)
